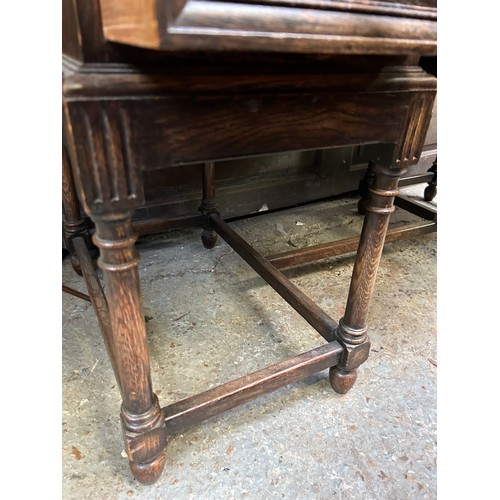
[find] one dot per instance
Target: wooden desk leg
(143, 426)
(208, 205)
(74, 225)
(352, 330)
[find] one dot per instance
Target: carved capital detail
(413, 133)
(107, 170)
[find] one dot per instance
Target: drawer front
(319, 26)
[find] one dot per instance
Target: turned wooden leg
(364, 188)
(208, 205)
(74, 225)
(143, 426)
(431, 190)
(352, 330)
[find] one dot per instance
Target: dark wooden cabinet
(151, 86)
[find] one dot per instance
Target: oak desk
(153, 84)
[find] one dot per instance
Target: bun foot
(361, 207)
(150, 472)
(209, 239)
(430, 192)
(341, 381)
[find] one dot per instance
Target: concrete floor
(210, 319)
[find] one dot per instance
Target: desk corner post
(352, 332)
(108, 181)
(144, 429)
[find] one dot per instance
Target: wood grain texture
(73, 221)
(371, 244)
(119, 260)
(352, 332)
(129, 20)
(322, 27)
(246, 124)
(71, 34)
(99, 302)
(208, 205)
(145, 441)
(84, 39)
(165, 123)
(342, 381)
(307, 308)
(299, 257)
(195, 409)
(416, 207)
(110, 175)
(414, 131)
(143, 426)
(365, 270)
(425, 9)
(74, 224)
(343, 73)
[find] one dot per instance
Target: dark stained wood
(299, 257)
(143, 427)
(342, 73)
(195, 409)
(431, 190)
(112, 177)
(425, 9)
(429, 149)
(161, 225)
(415, 207)
(84, 26)
(208, 205)
(71, 206)
(364, 188)
(71, 39)
(313, 120)
(309, 310)
(415, 179)
(98, 299)
(119, 260)
(352, 330)
(278, 181)
(371, 243)
(413, 133)
(76, 293)
(74, 225)
(208, 200)
(359, 28)
(342, 380)
(353, 74)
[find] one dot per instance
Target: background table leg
(208, 205)
(74, 225)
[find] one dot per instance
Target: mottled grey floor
(210, 319)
